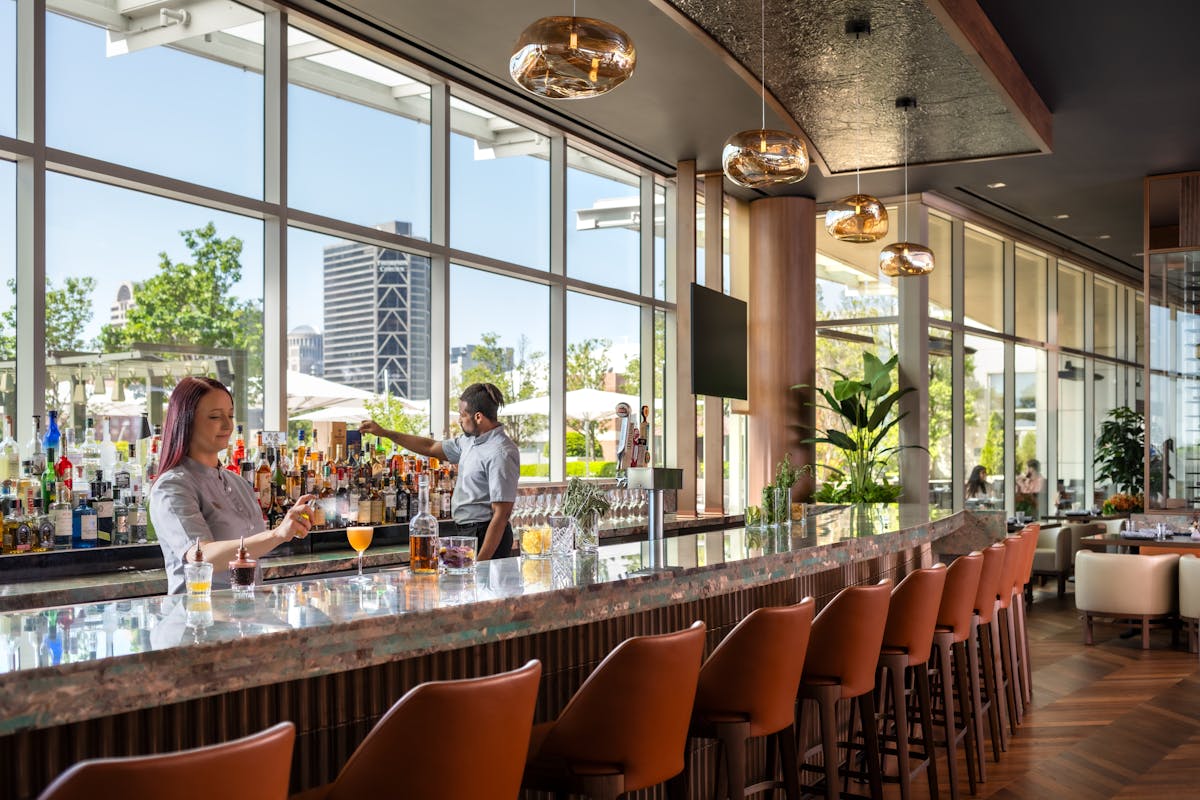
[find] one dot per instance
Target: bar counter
(162, 673)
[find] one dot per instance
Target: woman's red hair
(180, 420)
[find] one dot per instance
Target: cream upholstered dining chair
(1189, 599)
(1056, 550)
(1126, 587)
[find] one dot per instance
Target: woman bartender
(193, 499)
(489, 466)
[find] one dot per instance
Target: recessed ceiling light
(1104, 236)
(1062, 216)
(997, 185)
(1139, 254)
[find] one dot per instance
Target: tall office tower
(377, 317)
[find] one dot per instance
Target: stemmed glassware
(360, 539)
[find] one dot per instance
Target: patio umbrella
(308, 392)
(585, 405)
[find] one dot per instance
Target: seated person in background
(1029, 485)
(978, 491)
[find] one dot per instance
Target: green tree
(991, 455)
(588, 363)
(68, 312)
(391, 414)
(518, 374)
(190, 302)
(941, 409)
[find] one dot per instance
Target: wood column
(783, 318)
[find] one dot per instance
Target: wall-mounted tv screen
(718, 344)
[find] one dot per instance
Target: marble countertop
(83, 661)
(128, 582)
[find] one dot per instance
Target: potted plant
(1119, 459)
(864, 413)
(586, 502)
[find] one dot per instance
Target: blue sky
(186, 117)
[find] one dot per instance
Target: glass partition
(849, 284)
(489, 344)
(603, 222)
(499, 187)
(983, 283)
(1071, 299)
(8, 282)
(1073, 446)
(144, 87)
(1029, 434)
(358, 138)
(941, 280)
(1104, 317)
(984, 437)
(1029, 295)
(162, 289)
(8, 67)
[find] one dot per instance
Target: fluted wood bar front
(157, 674)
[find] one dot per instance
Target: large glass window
(984, 436)
(940, 281)
(849, 284)
(603, 363)
(358, 138)
(1070, 307)
(8, 280)
(1029, 436)
(660, 242)
(358, 315)
(603, 222)
(983, 281)
(490, 343)
(182, 101)
(1106, 398)
(499, 187)
(8, 67)
(1029, 295)
(1073, 444)
(941, 417)
(164, 289)
(1104, 318)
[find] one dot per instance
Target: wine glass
(360, 539)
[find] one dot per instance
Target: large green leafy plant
(864, 413)
(1119, 450)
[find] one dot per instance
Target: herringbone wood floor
(1108, 721)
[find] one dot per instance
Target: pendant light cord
(907, 209)
(762, 74)
(857, 106)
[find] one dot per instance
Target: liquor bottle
(262, 480)
(64, 470)
(278, 474)
(102, 507)
(239, 447)
(44, 539)
(10, 459)
(362, 515)
(8, 529)
(375, 499)
(341, 506)
(401, 512)
(35, 451)
(53, 435)
(151, 464)
(83, 526)
(90, 452)
(108, 451)
(447, 494)
(60, 514)
(25, 533)
(423, 522)
(389, 502)
(120, 519)
(301, 448)
(49, 477)
(414, 506)
(139, 521)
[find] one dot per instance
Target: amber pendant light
(569, 58)
(859, 218)
(764, 157)
(905, 258)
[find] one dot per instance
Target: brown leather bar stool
(626, 727)
(254, 768)
(949, 663)
(907, 643)
(983, 659)
(770, 644)
(840, 665)
(1025, 592)
(416, 744)
(1005, 624)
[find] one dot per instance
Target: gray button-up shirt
(489, 466)
(191, 501)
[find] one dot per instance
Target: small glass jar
(198, 577)
(458, 554)
(242, 570)
(562, 534)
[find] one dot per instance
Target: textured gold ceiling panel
(842, 91)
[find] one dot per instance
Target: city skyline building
(376, 317)
(125, 300)
(306, 351)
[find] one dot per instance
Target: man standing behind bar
(489, 466)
